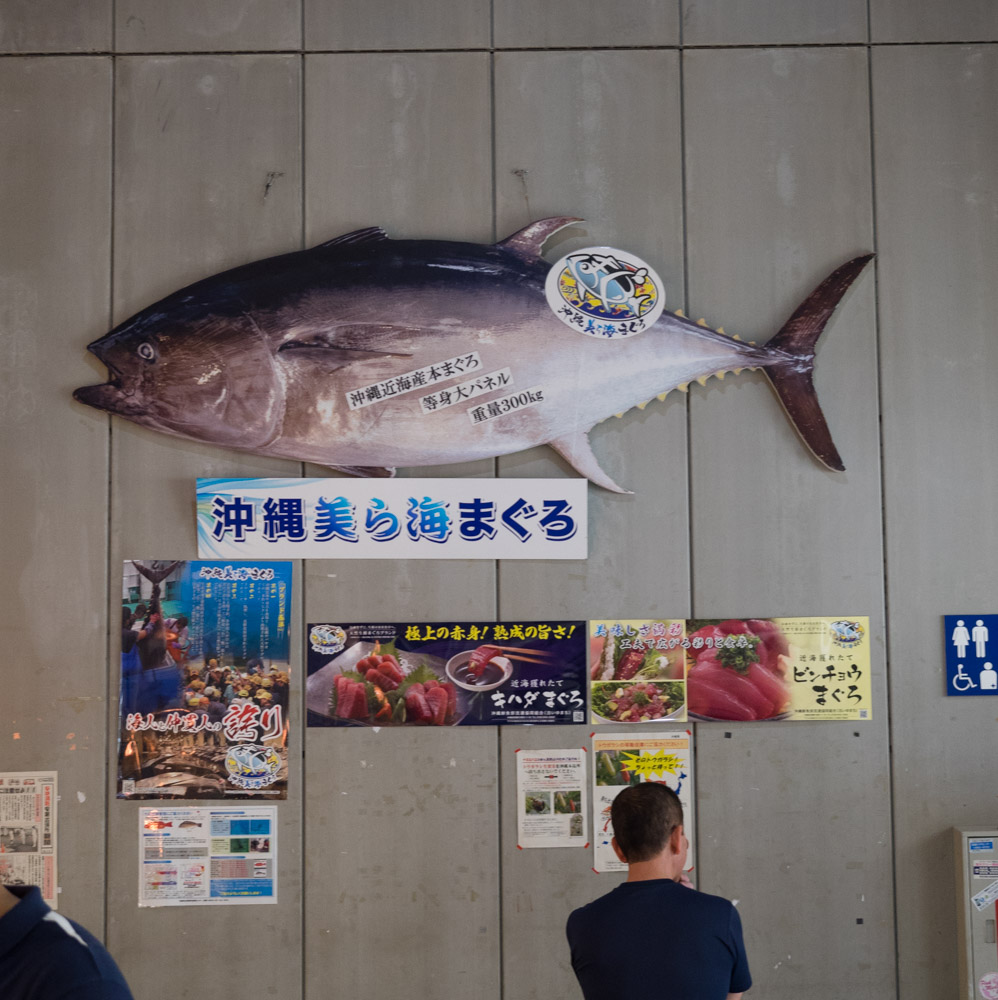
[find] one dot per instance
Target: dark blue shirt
(658, 940)
(44, 956)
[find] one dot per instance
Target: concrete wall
(744, 150)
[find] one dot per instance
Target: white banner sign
(392, 518)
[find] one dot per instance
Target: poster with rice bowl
(730, 670)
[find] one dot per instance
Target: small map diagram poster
(971, 643)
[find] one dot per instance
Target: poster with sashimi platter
(446, 673)
(730, 670)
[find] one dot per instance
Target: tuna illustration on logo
(609, 280)
(366, 353)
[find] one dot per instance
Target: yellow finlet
(661, 396)
(641, 406)
(701, 321)
(619, 415)
(737, 371)
(702, 380)
(721, 375)
(679, 312)
(685, 387)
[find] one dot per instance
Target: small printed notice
(622, 760)
(551, 798)
(393, 518)
(27, 831)
(206, 857)
(986, 896)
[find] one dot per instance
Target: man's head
(646, 818)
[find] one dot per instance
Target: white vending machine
(977, 911)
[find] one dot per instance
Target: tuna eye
(147, 352)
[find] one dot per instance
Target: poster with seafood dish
(446, 673)
(637, 670)
(734, 670)
(622, 760)
(551, 798)
(204, 680)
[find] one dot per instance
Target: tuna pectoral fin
(575, 449)
(330, 358)
(791, 375)
(366, 471)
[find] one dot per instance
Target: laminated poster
(201, 856)
(622, 760)
(204, 680)
(638, 670)
(551, 798)
(28, 832)
(446, 673)
(730, 670)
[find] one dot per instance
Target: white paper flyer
(206, 857)
(27, 831)
(623, 760)
(551, 798)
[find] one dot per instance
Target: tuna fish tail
(791, 376)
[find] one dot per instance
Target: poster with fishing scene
(623, 760)
(551, 798)
(205, 680)
(730, 670)
(446, 673)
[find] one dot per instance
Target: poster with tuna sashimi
(730, 669)
(442, 674)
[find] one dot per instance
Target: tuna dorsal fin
(373, 234)
(576, 450)
(528, 242)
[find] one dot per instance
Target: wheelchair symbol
(962, 681)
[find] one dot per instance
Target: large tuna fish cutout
(272, 357)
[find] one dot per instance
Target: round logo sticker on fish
(605, 293)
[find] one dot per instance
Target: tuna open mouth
(111, 396)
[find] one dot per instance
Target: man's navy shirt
(44, 956)
(658, 940)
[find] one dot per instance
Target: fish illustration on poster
(446, 673)
(366, 353)
(205, 680)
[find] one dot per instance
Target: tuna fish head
(204, 377)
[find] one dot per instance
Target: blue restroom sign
(971, 654)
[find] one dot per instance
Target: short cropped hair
(644, 817)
